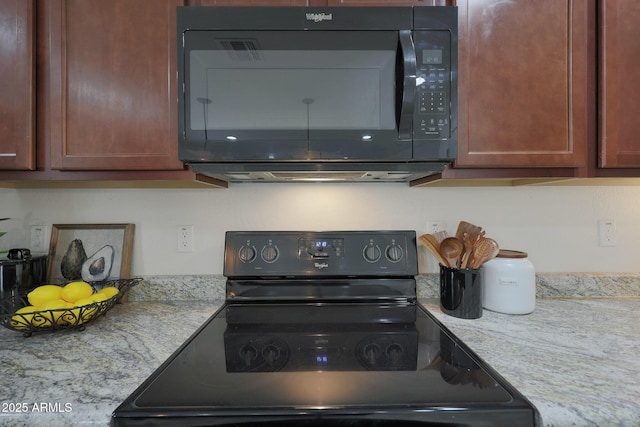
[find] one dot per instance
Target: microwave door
(240, 98)
(361, 102)
(294, 95)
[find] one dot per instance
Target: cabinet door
(619, 84)
(17, 136)
(523, 86)
(112, 84)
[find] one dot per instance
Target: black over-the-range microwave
(344, 93)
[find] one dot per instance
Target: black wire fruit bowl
(27, 322)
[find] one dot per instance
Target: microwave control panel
(432, 116)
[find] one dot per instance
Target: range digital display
(321, 247)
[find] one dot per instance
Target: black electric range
(324, 328)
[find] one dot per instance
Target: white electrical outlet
(39, 235)
(606, 232)
(435, 226)
(185, 238)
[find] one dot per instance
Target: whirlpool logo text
(320, 265)
(318, 17)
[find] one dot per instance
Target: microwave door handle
(405, 119)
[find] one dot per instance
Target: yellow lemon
(24, 317)
(109, 291)
(77, 315)
(97, 297)
(57, 305)
(44, 293)
(84, 301)
(76, 290)
(82, 309)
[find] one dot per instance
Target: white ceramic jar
(509, 283)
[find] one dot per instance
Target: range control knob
(270, 253)
(394, 252)
(371, 252)
(248, 354)
(394, 353)
(371, 354)
(271, 355)
(247, 253)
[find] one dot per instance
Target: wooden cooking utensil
(434, 247)
(440, 235)
(463, 227)
(451, 249)
(483, 250)
(471, 236)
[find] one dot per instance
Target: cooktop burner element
(341, 344)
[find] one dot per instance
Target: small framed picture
(90, 252)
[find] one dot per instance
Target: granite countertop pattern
(575, 357)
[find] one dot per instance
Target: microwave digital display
(432, 56)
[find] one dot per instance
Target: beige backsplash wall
(557, 226)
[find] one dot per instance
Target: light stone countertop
(574, 358)
(82, 376)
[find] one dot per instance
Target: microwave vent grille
(241, 49)
(340, 176)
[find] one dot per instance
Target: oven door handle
(407, 103)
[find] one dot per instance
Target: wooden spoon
(484, 250)
(434, 247)
(471, 236)
(451, 249)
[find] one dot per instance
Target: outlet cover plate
(39, 241)
(185, 238)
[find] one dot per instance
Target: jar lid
(508, 253)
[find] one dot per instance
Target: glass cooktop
(287, 363)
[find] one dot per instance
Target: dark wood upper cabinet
(523, 83)
(619, 96)
(545, 88)
(111, 84)
(17, 96)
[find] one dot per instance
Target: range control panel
(312, 254)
